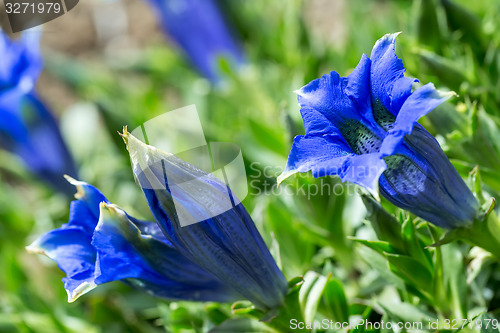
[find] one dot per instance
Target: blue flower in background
(364, 128)
(26, 126)
(201, 32)
(101, 243)
(228, 245)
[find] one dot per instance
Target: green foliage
(359, 258)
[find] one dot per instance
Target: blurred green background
(102, 73)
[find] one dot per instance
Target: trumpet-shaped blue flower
(101, 243)
(226, 244)
(26, 126)
(201, 32)
(364, 128)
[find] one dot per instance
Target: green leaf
(412, 271)
(335, 300)
(468, 24)
(415, 247)
(216, 313)
(485, 232)
(406, 312)
(291, 309)
(380, 264)
(242, 325)
(488, 175)
(385, 225)
(245, 308)
(296, 242)
(379, 246)
(310, 294)
(454, 279)
(487, 139)
(448, 121)
(428, 23)
(366, 314)
(449, 73)
(476, 180)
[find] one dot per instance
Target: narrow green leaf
(380, 264)
(335, 300)
(428, 23)
(454, 278)
(405, 312)
(385, 225)
(415, 247)
(366, 315)
(379, 246)
(412, 271)
(310, 294)
(450, 73)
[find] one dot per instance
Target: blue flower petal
(421, 101)
(358, 90)
(315, 122)
(339, 123)
(221, 246)
(323, 155)
(81, 217)
(149, 228)
(364, 128)
(89, 195)
(388, 84)
(327, 103)
(364, 170)
(124, 253)
(329, 155)
(327, 97)
(421, 179)
(71, 249)
(70, 246)
(227, 245)
(78, 287)
(101, 243)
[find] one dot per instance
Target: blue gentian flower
(199, 29)
(364, 128)
(101, 243)
(228, 244)
(26, 126)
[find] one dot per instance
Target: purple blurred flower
(27, 128)
(199, 29)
